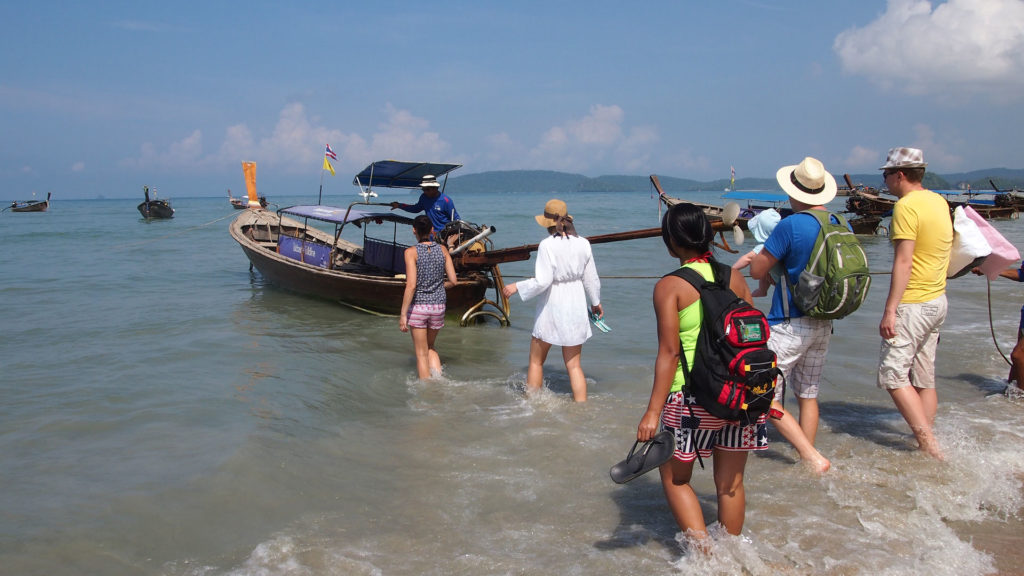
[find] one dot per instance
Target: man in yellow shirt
(922, 237)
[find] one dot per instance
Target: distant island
(511, 181)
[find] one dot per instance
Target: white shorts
(800, 345)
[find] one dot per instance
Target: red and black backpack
(734, 372)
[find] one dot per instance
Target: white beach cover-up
(564, 278)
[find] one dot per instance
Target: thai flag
(330, 153)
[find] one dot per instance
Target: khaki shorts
(909, 358)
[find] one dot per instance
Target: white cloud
(963, 45)
(936, 150)
(296, 145)
(595, 142)
(861, 158)
(78, 166)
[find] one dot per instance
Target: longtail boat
(243, 203)
(290, 251)
(30, 205)
(155, 208)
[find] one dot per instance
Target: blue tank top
(429, 274)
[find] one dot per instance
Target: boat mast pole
(320, 194)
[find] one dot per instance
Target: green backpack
(836, 279)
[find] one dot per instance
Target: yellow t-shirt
(923, 216)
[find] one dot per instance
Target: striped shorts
(705, 432)
(427, 316)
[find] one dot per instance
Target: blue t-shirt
(440, 210)
(791, 243)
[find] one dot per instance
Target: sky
(100, 98)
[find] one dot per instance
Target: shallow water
(165, 412)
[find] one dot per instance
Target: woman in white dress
(564, 278)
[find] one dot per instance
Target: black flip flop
(651, 454)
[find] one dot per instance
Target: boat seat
(385, 255)
(308, 252)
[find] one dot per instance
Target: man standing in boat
(922, 238)
(437, 205)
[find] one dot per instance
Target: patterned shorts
(427, 316)
(711, 432)
(800, 345)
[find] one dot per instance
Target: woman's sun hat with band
(556, 215)
(807, 182)
(554, 211)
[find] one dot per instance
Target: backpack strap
(823, 217)
(722, 275)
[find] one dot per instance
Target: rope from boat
(173, 234)
(991, 324)
(603, 277)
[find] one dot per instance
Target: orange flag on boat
(249, 169)
(327, 166)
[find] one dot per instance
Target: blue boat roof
(981, 198)
(399, 174)
(752, 195)
(337, 214)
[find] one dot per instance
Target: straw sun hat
(429, 181)
(554, 210)
(807, 182)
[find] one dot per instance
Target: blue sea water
(164, 411)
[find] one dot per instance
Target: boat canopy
(759, 196)
(337, 215)
(398, 174)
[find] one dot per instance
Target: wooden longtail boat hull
(360, 286)
(156, 209)
(713, 212)
(865, 224)
(31, 205)
(988, 211)
(865, 204)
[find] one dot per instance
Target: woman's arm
(543, 274)
(670, 293)
(410, 288)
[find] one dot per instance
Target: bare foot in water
(818, 465)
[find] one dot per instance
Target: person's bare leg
(909, 403)
(732, 500)
(573, 365)
(791, 431)
(682, 500)
(433, 360)
(809, 417)
(535, 372)
(419, 345)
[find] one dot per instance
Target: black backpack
(734, 372)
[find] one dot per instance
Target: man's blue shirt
(441, 210)
(790, 243)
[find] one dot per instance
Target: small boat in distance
(155, 208)
(30, 205)
(243, 203)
